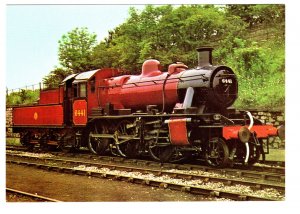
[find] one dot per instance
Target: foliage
(75, 50)
(259, 63)
(166, 33)
(261, 75)
(22, 97)
(172, 33)
(55, 77)
(255, 15)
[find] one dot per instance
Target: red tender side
(48, 115)
(50, 97)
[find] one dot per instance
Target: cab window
(92, 83)
(82, 90)
(75, 90)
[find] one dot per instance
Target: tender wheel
(25, 141)
(95, 144)
(44, 146)
(216, 153)
(130, 147)
(66, 144)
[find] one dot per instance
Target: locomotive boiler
(170, 116)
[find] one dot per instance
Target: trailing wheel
(216, 152)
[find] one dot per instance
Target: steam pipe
(251, 120)
(188, 98)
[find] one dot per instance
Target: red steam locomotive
(171, 116)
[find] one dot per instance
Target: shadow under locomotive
(171, 116)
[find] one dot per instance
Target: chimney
(204, 56)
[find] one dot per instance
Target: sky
(33, 32)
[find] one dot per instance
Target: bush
(260, 72)
(22, 97)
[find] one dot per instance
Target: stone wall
(8, 121)
(276, 118)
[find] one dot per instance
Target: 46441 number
(79, 113)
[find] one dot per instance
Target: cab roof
(81, 77)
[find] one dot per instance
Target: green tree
(255, 15)
(55, 77)
(172, 33)
(75, 54)
(75, 50)
(166, 33)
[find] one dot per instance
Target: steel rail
(34, 196)
(155, 183)
(150, 182)
(276, 174)
(270, 166)
(273, 174)
(161, 172)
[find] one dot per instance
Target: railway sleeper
(159, 184)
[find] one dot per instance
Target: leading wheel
(255, 152)
(216, 152)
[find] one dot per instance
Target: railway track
(185, 180)
(269, 166)
(269, 173)
(34, 197)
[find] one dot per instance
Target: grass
(13, 141)
(276, 155)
